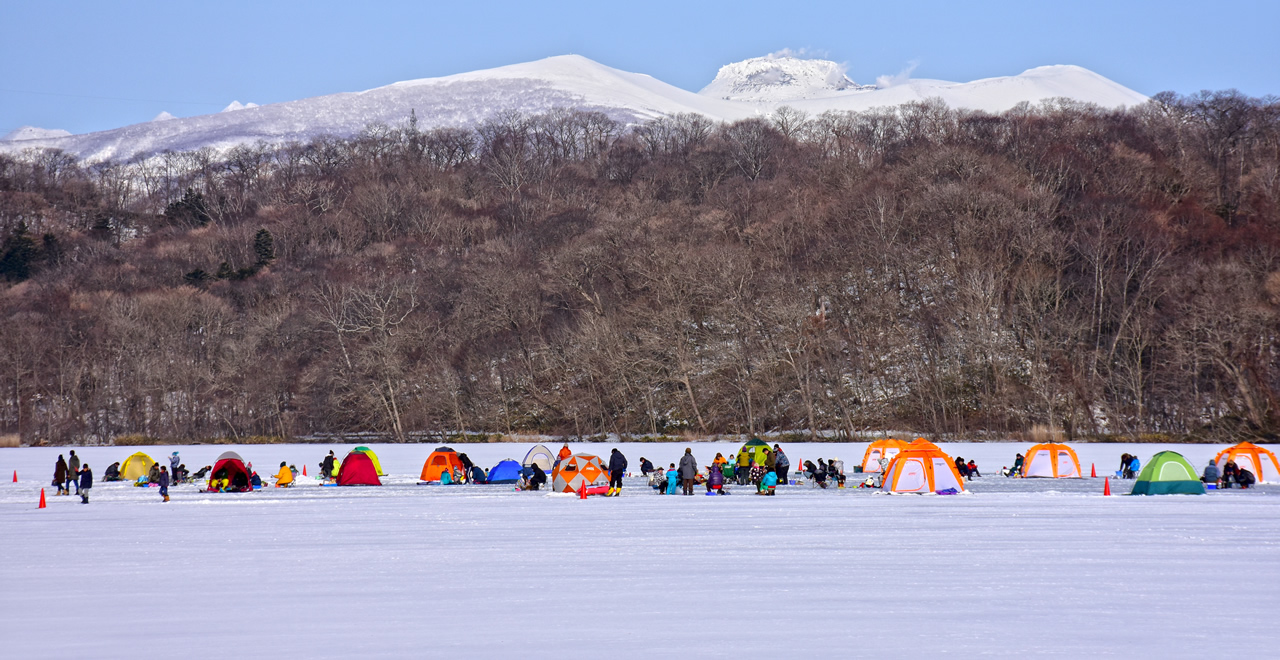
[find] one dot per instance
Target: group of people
(68, 473)
(969, 471)
(741, 468)
(1230, 475)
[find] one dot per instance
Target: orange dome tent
(1261, 462)
(921, 470)
(1052, 460)
(880, 448)
(443, 459)
(577, 470)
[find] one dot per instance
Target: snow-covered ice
(1016, 568)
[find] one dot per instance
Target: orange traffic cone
(582, 491)
(15, 476)
(304, 469)
(1093, 471)
(1106, 486)
(42, 504)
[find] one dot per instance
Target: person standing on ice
(85, 483)
(164, 484)
(73, 469)
(617, 467)
(174, 462)
(673, 479)
(688, 470)
(744, 466)
(780, 464)
(60, 475)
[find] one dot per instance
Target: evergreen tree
(17, 255)
(264, 245)
(191, 210)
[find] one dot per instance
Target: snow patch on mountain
(236, 105)
(33, 133)
(779, 78)
(163, 116)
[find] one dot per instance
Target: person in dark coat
(73, 469)
(60, 476)
(466, 468)
(164, 484)
(781, 464)
(646, 466)
(326, 466)
(153, 475)
(688, 470)
(617, 468)
(112, 473)
(715, 480)
(85, 483)
(539, 477)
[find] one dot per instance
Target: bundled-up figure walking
(617, 468)
(60, 478)
(163, 480)
(85, 484)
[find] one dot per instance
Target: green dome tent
(755, 448)
(1168, 473)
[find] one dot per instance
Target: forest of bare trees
(960, 274)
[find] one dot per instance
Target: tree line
(953, 273)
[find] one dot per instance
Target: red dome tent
(237, 475)
(358, 470)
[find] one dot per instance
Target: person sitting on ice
(478, 476)
(768, 484)
(1245, 478)
(673, 479)
(962, 468)
(973, 469)
(537, 478)
(294, 470)
(835, 471)
(153, 475)
(285, 478)
(1210, 474)
(715, 480)
(112, 473)
(255, 481)
(658, 481)
(1016, 470)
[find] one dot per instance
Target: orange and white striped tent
(443, 459)
(1261, 462)
(921, 470)
(878, 449)
(577, 470)
(1052, 460)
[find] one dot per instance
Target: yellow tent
(922, 471)
(377, 465)
(137, 465)
(880, 448)
(1056, 461)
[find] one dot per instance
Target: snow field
(1019, 567)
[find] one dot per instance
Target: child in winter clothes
(673, 479)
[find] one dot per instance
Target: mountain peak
(779, 77)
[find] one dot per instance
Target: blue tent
(506, 472)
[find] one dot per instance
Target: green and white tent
(1168, 473)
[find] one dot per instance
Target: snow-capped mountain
(750, 88)
(785, 79)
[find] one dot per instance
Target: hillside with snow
(753, 87)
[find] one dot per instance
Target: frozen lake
(1017, 567)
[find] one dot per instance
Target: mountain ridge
(740, 90)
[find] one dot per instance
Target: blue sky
(85, 66)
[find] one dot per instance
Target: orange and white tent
(1261, 462)
(443, 459)
(1052, 460)
(577, 470)
(921, 471)
(880, 449)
